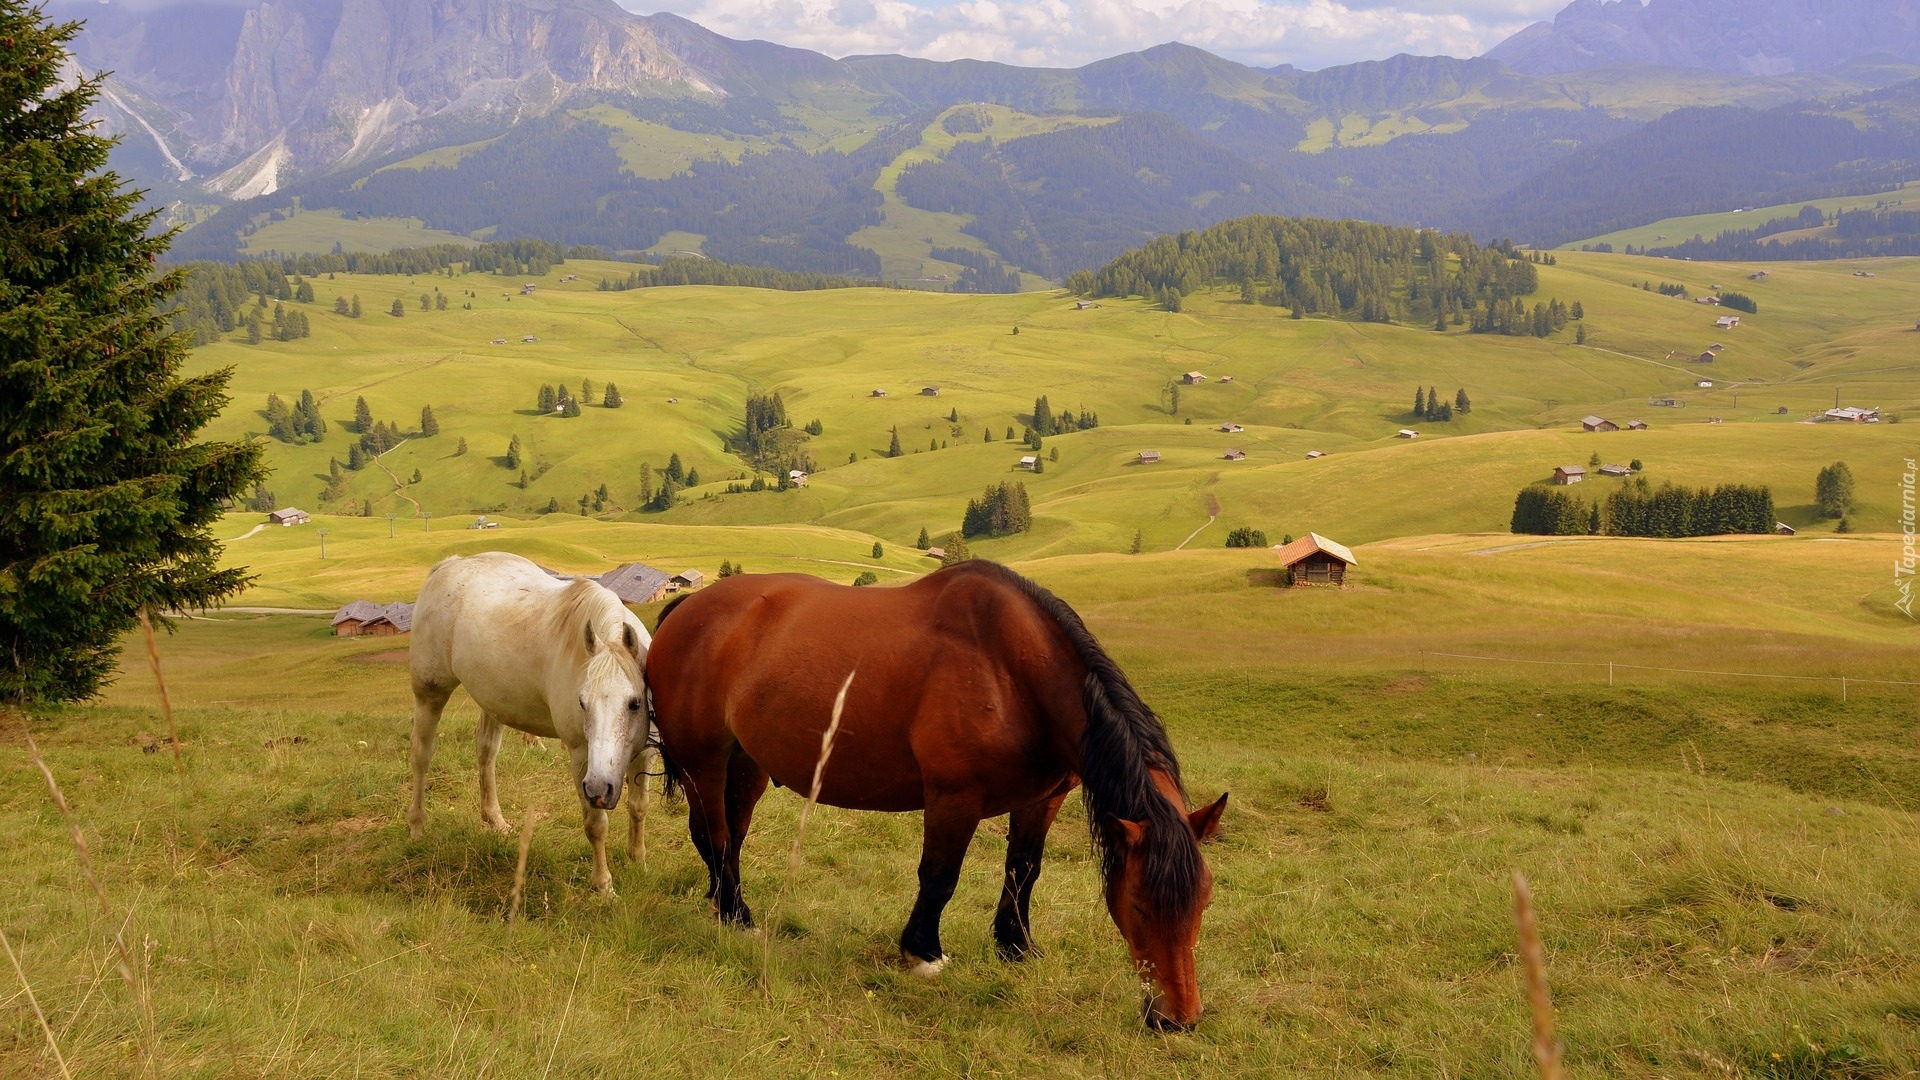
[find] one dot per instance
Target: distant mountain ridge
(1749, 37)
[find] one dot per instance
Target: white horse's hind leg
(645, 763)
(486, 747)
(596, 824)
(427, 705)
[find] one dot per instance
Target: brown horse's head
(1161, 926)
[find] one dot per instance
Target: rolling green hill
(685, 360)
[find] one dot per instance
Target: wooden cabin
(289, 516)
(1569, 474)
(364, 618)
(1598, 423)
(1315, 560)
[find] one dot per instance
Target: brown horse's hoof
(922, 969)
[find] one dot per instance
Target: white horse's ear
(630, 639)
(590, 641)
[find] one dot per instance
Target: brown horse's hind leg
(746, 782)
(1026, 843)
(710, 812)
(949, 828)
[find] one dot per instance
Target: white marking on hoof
(925, 969)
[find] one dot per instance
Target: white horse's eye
(633, 704)
(583, 702)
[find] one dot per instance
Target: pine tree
(1433, 403)
(416, 477)
(398, 310)
(106, 499)
(956, 550)
(461, 449)
(676, 472)
(1580, 334)
(429, 427)
(547, 400)
(362, 416)
(426, 302)
(553, 505)
(1461, 403)
(1419, 403)
(356, 458)
(1010, 433)
(986, 435)
(1833, 490)
(878, 551)
(513, 453)
(355, 310)
(1138, 545)
(611, 398)
(586, 391)
(339, 305)
(925, 541)
(893, 445)
(439, 301)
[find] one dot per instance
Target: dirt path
(399, 489)
(248, 533)
(1516, 547)
(1213, 515)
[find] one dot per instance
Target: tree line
(692, 270)
(1637, 509)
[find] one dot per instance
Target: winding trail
(1213, 515)
(248, 533)
(399, 489)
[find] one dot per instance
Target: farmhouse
(1028, 462)
(1406, 433)
(1704, 358)
(1235, 455)
(529, 339)
(1636, 425)
(1854, 415)
(527, 289)
(1082, 305)
(685, 579)
(1149, 457)
(364, 618)
(1315, 560)
(1727, 322)
(1231, 428)
(289, 516)
(1193, 377)
(1597, 423)
(636, 583)
(929, 391)
(1569, 474)
(877, 392)
(499, 341)
(1615, 470)
(1714, 300)
(1311, 454)
(1783, 528)
(797, 478)
(936, 553)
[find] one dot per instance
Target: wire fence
(1611, 666)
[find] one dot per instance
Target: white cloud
(1068, 33)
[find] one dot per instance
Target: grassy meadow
(1718, 830)
(1681, 229)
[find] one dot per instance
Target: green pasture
(685, 360)
(1722, 865)
(1680, 229)
(315, 232)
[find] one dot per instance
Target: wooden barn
(1315, 560)
(290, 515)
(636, 583)
(364, 618)
(1598, 423)
(1569, 474)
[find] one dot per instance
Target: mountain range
(581, 121)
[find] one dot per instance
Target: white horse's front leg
(486, 748)
(645, 763)
(596, 824)
(427, 705)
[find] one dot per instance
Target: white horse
(557, 659)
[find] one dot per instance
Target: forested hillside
(1375, 273)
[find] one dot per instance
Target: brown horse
(978, 693)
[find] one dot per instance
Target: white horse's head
(612, 703)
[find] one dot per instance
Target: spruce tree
(398, 310)
(1419, 403)
(354, 311)
(925, 541)
(106, 499)
(362, 417)
(893, 446)
(611, 398)
(429, 427)
(1833, 490)
(1461, 403)
(878, 551)
(339, 305)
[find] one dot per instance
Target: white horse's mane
(587, 603)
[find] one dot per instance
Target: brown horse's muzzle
(1151, 1011)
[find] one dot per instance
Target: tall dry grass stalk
(561, 1031)
(45, 1029)
(520, 868)
(1533, 958)
(166, 700)
(800, 829)
(141, 996)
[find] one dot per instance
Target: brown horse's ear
(1206, 821)
(631, 640)
(1126, 833)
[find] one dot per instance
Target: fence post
(1843, 689)
(1609, 673)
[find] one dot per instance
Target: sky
(1310, 34)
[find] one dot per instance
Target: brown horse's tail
(672, 780)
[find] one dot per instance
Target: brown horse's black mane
(1122, 744)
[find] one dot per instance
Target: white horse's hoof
(924, 969)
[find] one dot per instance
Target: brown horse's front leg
(1026, 843)
(949, 828)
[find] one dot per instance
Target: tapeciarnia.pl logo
(1903, 570)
